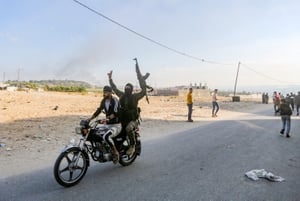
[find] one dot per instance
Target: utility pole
(236, 99)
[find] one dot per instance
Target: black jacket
(285, 109)
(128, 104)
(112, 109)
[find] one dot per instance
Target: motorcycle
(72, 163)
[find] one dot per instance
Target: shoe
(287, 135)
(190, 120)
(115, 158)
(212, 115)
(131, 150)
(282, 131)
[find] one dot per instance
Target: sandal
(115, 158)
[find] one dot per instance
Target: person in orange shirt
(189, 102)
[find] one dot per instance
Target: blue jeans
(215, 106)
(190, 110)
(286, 123)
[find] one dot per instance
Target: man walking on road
(215, 105)
(285, 113)
(189, 102)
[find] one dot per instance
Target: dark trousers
(215, 108)
(190, 110)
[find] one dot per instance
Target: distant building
(3, 86)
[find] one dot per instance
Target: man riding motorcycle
(110, 105)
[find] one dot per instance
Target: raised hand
(109, 74)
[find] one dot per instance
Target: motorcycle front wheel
(70, 167)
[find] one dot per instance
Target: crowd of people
(283, 106)
(290, 99)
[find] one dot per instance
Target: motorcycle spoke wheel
(70, 168)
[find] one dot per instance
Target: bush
(65, 89)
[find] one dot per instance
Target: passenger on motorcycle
(129, 111)
(110, 105)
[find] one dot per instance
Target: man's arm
(141, 94)
(98, 111)
(118, 92)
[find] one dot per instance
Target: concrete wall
(196, 92)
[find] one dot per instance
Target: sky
(188, 42)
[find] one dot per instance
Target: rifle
(142, 79)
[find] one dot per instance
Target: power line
(172, 49)
(266, 76)
(147, 38)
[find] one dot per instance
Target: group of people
(291, 99)
(122, 113)
(189, 102)
(284, 106)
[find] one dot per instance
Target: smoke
(84, 62)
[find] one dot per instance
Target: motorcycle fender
(70, 148)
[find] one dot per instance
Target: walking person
(297, 102)
(189, 103)
(263, 98)
(215, 105)
(285, 113)
(267, 98)
(276, 102)
(292, 95)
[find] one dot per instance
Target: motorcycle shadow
(41, 185)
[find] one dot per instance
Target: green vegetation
(52, 85)
(65, 89)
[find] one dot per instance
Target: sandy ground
(33, 132)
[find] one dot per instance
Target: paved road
(204, 163)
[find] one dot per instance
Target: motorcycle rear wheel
(70, 167)
(126, 160)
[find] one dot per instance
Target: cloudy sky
(187, 41)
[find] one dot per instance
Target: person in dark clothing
(285, 113)
(292, 95)
(110, 105)
(297, 102)
(267, 98)
(129, 111)
(288, 99)
(263, 98)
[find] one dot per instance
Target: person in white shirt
(215, 105)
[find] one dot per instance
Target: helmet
(107, 89)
